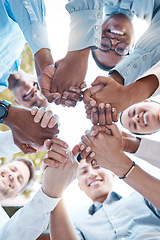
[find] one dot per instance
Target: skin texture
(13, 178)
(30, 138)
(142, 117)
(25, 90)
(121, 23)
(95, 181)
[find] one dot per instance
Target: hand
(108, 150)
(58, 152)
(70, 71)
(112, 93)
(103, 114)
(27, 134)
(45, 117)
(56, 180)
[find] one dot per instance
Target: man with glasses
(117, 41)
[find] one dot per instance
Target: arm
(59, 220)
(109, 154)
(31, 220)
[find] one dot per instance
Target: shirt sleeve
(30, 15)
(31, 220)
(145, 55)
(149, 150)
(7, 146)
(86, 19)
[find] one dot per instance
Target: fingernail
(82, 147)
(92, 103)
(92, 154)
(64, 160)
(65, 94)
(92, 133)
(113, 109)
(101, 105)
(88, 149)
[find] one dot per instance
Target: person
(110, 215)
(144, 56)
(36, 213)
(15, 177)
(25, 90)
(117, 40)
(38, 128)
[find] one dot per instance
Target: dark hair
(99, 64)
(30, 166)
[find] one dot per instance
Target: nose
(114, 42)
(136, 118)
(92, 173)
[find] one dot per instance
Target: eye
(20, 179)
(13, 169)
(134, 112)
(83, 172)
(135, 126)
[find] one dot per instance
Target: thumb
(27, 149)
(114, 130)
(101, 80)
(87, 98)
(75, 150)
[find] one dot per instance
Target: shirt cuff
(133, 66)
(41, 203)
(85, 30)
(37, 37)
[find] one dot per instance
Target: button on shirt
(19, 19)
(30, 221)
(85, 16)
(128, 218)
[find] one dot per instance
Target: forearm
(145, 184)
(60, 225)
(141, 89)
(43, 58)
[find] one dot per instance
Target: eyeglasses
(121, 48)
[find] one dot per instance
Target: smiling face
(95, 181)
(27, 94)
(142, 117)
(118, 29)
(13, 178)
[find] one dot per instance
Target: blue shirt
(126, 218)
(86, 19)
(20, 20)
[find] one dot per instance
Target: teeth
(94, 183)
(117, 32)
(144, 119)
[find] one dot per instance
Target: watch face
(2, 112)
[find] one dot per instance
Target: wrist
(43, 58)
(117, 77)
(125, 164)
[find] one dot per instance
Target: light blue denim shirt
(86, 19)
(18, 18)
(127, 218)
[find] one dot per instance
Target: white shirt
(30, 221)
(7, 146)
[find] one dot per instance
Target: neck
(100, 199)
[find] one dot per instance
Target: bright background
(73, 121)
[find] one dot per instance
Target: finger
(96, 89)
(86, 152)
(101, 110)
(34, 110)
(51, 162)
(114, 115)
(108, 114)
(40, 113)
(53, 122)
(85, 140)
(72, 96)
(59, 142)
(114, 130)
(75, 150)
(88, 135)
(46, 118)
(101, 80)
(56, 156)
(83, 85)
(70, 103)
(91, 157)
(27, 149)
(75, 90)
(88, 99)
(60, 150)
(94, 116)
(96, 129)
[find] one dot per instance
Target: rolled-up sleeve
(85, 23)
(30, 15)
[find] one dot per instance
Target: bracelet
(129, 171)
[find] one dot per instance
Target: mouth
(29, 94)
(144, 119)
(116, 31)
(94, 183)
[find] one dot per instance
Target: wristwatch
(4, 105)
